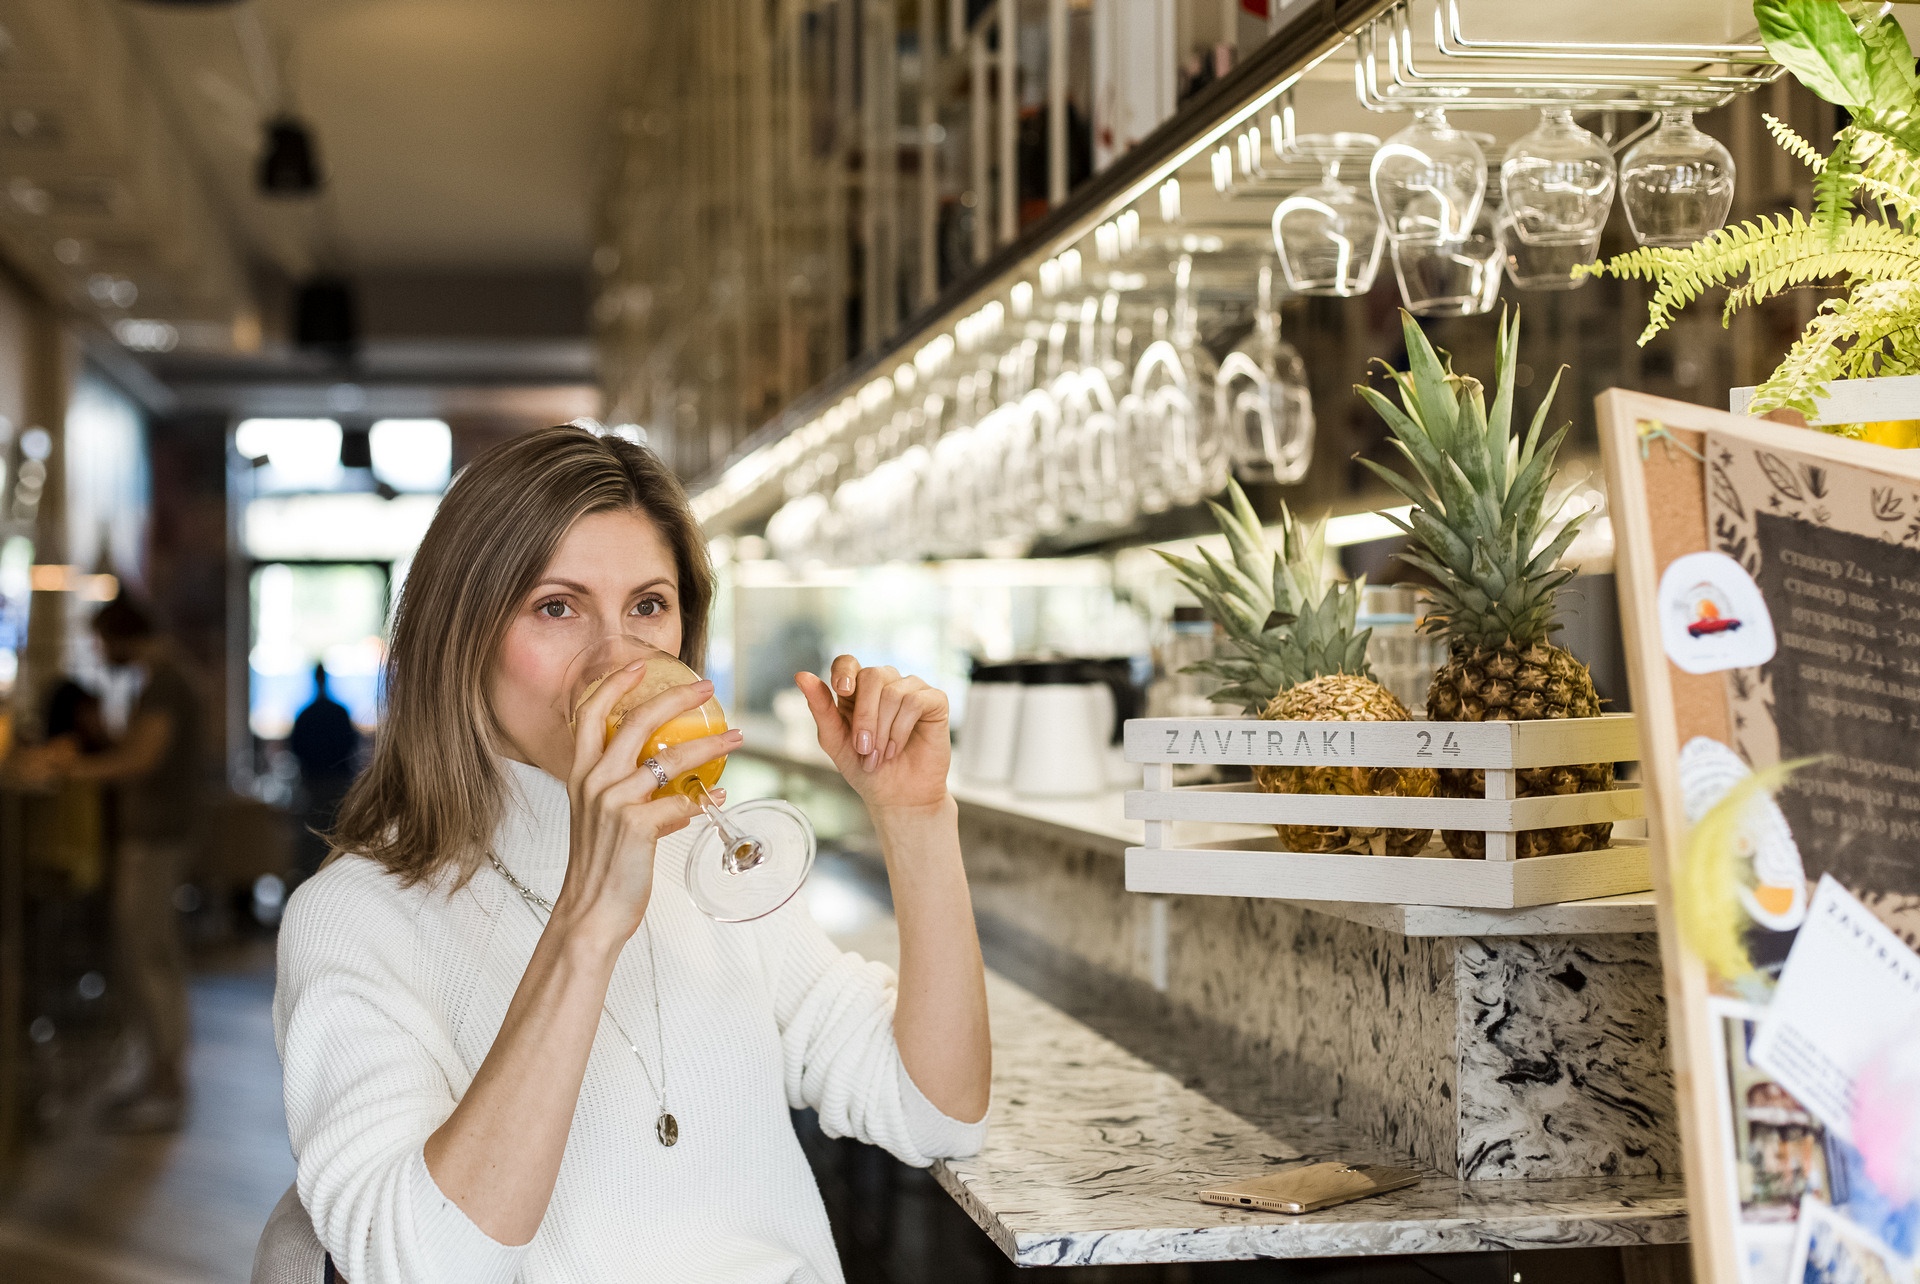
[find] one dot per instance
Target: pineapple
(1295, 656)
(1480, 506)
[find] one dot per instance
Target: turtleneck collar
(535, 821)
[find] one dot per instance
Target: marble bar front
(1097, 1156)
(1490, 1045)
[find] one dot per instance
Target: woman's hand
(617, 819)
(886, 733)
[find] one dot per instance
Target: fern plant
(1863, 235)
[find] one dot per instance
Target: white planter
(1853, 401)
(1256, 865)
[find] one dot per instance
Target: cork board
(1683, 479)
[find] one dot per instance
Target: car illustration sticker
(1712, 616)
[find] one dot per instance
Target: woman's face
(613, 573)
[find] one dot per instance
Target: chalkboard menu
(1846, 691)
(1835, 552)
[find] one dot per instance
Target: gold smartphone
(1301, 1190)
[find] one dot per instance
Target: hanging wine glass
(1182, 454)
(1676, 183)
(747, 861)
(1543, 265)
(1557, 183)
(1328, 236)
(1460, 278)
(1003, 494)
(950, 478)
(1033, 462)
(1429, 179)
(1105, 472)
(1261, 397)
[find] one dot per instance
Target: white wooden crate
(1255, 866)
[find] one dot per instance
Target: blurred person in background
(76, 727)
(155, 769)
(327, 745)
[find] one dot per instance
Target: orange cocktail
(662, 672)
(743, 863)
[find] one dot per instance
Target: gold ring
(659, 772)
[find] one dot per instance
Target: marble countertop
(1095, 1156)
(1100, 822)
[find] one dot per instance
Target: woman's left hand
(886, 733)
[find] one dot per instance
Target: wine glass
(1181, 452)
(1329, 235)
(745, 862)
(1557, 182)
(1429, 179)
(1455, 278)
(1676, 183)
(1261, 394)
(1544, 265)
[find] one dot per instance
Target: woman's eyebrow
(574, 586)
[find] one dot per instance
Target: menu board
(1770, 596)
(1835, 553)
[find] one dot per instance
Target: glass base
(732, 894)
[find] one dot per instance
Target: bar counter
(1096, 1156)
(1147, 1046)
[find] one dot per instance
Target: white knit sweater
(389, 998)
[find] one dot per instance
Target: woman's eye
(650, 606)
(553, 610)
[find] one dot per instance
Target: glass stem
(737, 851)
(1266, 320)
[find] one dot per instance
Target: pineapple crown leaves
(1478, 494)
(1286, 620)
(1869, 70)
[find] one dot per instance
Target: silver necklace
(666, 1127)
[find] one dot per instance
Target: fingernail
(863, 743)
(719, 795)
(734, 737)
(873, 762)
(703, 685)
(893, 751)
(636, 666)
(844, 686)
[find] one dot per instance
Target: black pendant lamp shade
(356, 448)
(290, 164)
(326, 317)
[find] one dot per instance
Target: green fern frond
(1863, 250)
(1876, 331)
(1889, 171)
(1833, 188)
(1775, 252)
(1792, 144)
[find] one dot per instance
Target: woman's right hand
(617, 818)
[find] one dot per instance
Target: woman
(497, 990)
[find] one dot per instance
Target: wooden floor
(87, 1208)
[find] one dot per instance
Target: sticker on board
(1712, 616)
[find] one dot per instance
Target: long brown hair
(431, 797)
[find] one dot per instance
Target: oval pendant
(667, 1128)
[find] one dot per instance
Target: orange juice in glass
(747, 861)
(662, 672)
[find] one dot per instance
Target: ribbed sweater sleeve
(370, 1072)
(835, 1012)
